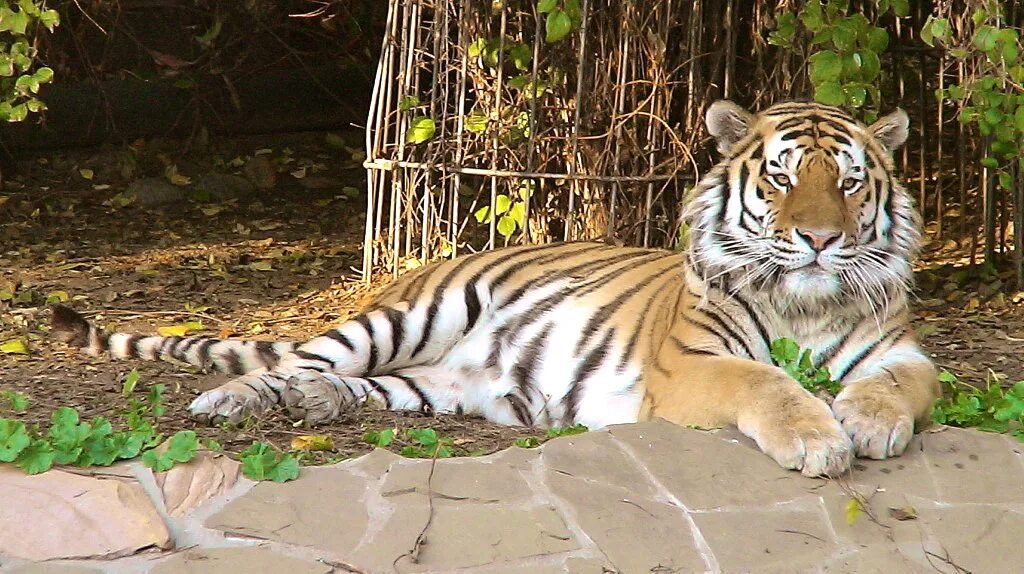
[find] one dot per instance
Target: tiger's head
(804, 206)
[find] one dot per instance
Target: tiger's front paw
(803, 436)
(231, 402)
(876, 419)
(317, 397)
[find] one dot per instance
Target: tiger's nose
(819, 240)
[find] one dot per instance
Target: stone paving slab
(648, 497)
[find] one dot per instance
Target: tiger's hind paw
(231, 402)
(316, 397)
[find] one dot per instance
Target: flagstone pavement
(640, 498)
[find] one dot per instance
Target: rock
(58, 515)
(249, 560)
(155, 192)
(223, 186)
(261, 172)
(186, 486)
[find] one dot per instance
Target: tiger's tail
(224, 355)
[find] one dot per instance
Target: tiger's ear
(728, 123)
(891, 130)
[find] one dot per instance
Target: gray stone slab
(463, 536)
(706, 472)
(237, 560)
(877, 559)
(457, 480)
(51, 568)
(972, 466)
(977, 538)
(907, 474)
(863, 530)
(372, 465)
(636, 533)
(596, 457)
(768, 541)
(325, 509)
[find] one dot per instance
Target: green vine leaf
(557, 25)
(420, 130)
(829, 93)
(826, 66)
(546, 6)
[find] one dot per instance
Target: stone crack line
(700, 543)
(421, 538)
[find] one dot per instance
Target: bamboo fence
(612, 137)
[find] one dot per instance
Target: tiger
(800, 231)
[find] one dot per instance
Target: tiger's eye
(781, 179)
(850, 183)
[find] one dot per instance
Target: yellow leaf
(86, 173)
(261, 266)
(299, 173)
(4, 199)
(312, 442)
(973, 304)
(17, 346)
(212, 210)
(179, 330)
(853, 510)
(56, 297)
(178, 179)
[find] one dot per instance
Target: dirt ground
(284, 264)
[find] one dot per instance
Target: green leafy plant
(20, 77)
(563, 17)
(845, 66)
(262, 462)
(75, 442)
(181, 448)
(555, 432)
(426, 443)
(380, 439)
(797, 363)
(992, 409)
(527, 442)
(16, 401)
(992, 95)
(511, 212)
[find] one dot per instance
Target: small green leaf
(829, 93)
(261, 462)
(18, 402)
(506, 226)
(50, 19)
(426, 437)
(36, 458)
(826, 66)
(557, 25)
(130, 380)
(545, 6)
(420, 130)
(476, 122)
(501, 204)
(408, 102)
(483, 215)
(14, 438)
(521, 55)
